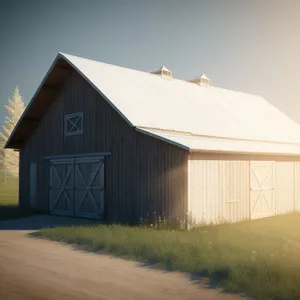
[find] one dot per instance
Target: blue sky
(250, 46)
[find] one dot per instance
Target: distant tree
(1, 156)
(9, 157)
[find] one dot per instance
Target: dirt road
(32, 269)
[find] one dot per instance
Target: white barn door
(89, 187)
(262, 186)
(62, 187)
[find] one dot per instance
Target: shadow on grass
(216, 280)
(208, 280)
(12, 211)
(37, 221)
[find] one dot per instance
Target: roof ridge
(149, 73)
(104, 63)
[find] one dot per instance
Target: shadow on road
(210, 281)
(38, 222)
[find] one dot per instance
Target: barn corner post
(187, 196)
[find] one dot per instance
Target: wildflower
(254, 254)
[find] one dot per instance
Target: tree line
(9, 159)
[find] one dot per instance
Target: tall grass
(260, 258)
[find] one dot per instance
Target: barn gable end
(142, 174)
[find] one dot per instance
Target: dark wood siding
(143, 174)
(23, 179)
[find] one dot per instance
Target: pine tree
(14, 110)
(1, 156)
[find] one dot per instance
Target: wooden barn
(103, 141)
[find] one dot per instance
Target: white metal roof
(200, 117)
(198, 143)
(151, 101)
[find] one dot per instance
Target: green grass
(260, 258)
(9, 207)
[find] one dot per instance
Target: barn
(108, 142)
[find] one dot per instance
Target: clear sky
(245, 45)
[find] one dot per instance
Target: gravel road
(32, 268)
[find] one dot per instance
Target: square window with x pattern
(74, 124)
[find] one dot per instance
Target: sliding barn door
(262, 185)
(89, 187)
(62, 187)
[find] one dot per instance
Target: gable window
(74, 124)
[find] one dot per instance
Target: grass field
(260, 258)
(9, 207)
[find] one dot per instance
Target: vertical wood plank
(142, 173)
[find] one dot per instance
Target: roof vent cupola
(163, 72)
(203, 80)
